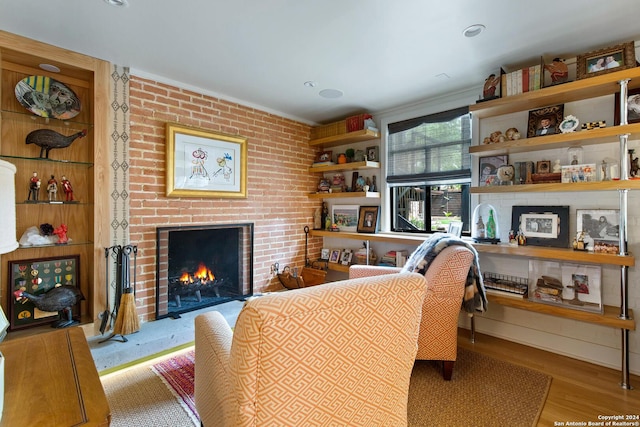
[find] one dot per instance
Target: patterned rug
(484, 391)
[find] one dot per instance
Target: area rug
(483, 391)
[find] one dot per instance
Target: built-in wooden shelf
(345, 166)
(345, 138)
(560, 254)
(346, 194)
(560, 140)
(570, 187)
(578, 90)
(610, 317)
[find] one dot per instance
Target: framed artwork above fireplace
(202, 163)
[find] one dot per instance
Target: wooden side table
(51, 380)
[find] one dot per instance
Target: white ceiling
(382, 54)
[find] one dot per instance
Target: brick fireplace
(203, 265)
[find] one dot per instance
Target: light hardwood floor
(580, 391)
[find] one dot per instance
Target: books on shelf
(394, 258)
(523, 80)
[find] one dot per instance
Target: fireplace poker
(106, 313)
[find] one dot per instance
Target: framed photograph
(368, 219)
(603, 61)
(345, 217)
(633, 107)
(489, 169)
(602, 225)
(579, 173)
(545, 121)
(582, 288)
(345, 258)
(201, 163)
(335, 256)
(324, 157)
(373, 154)
(455, 228)
(325, 254)
(543, 166)
(569, 124)
(38, 276)
(542, 225)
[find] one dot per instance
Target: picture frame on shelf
(455, 228)
(345, 257)
(334, 258)
(607, 60)
(582, 287)
(368, 219)
(633, 107)
(373, 154)
(345, 217)
(601, 225)
(202, 163)
(324, 157)
(38, 276)
(579, 173)
(542, 225)
(543, 166)
(492, 88)
(545, 121)
(488, 167)
(325, 253)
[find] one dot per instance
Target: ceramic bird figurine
(60, 299)
(48, 139)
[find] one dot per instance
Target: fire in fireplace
(200, 266)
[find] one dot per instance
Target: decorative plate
(569, 124)
(46, 97)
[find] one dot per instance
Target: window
(429, 171)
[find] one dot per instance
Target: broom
(127, 321)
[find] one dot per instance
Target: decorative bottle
(480, 228)
(491, 226)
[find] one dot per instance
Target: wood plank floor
(580, 391)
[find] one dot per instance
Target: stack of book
(500, 284)
(548, 289)
(394, 258)
(524, 80)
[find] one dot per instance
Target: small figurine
(374, 186)
(634, 167)
(557, 168)
(522, 239)
(490, 86)
(52, 189)
(506, 174)
(61, 232)
(47, 139)
(512, 134)
(68, 189)
(34, 187)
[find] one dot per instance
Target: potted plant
(350, 152)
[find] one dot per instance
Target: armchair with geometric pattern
(446, 277)
(337, 354)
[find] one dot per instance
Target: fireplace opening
(201, 266)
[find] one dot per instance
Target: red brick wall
(278, 181)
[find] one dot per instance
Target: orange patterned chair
(338, 354)
(446, 277)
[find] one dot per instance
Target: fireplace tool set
(124, 305)
(312, 273)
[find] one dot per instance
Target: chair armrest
(213, 390)
(357, 270)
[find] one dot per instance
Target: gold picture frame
(203, 163)
(608, 60)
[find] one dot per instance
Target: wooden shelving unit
(606, 84)
(364, 165)
(85, 162)
(345, 195)
(345, 138)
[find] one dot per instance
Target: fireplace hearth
(203, 265)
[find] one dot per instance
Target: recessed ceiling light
(473, 30)
(331, 93)
(49, 67)
(310, 83)
(119, 3)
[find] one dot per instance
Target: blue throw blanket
(475, 298)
